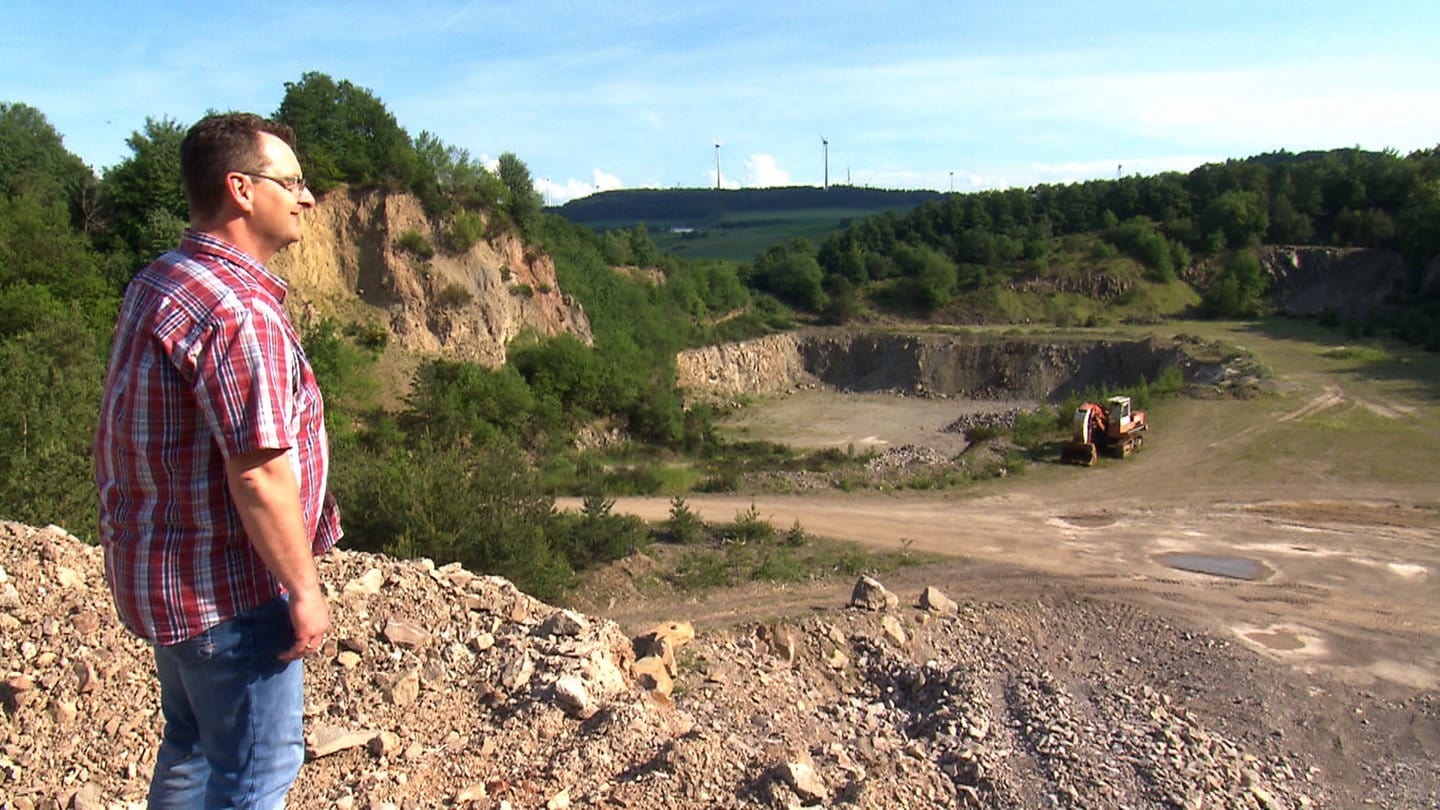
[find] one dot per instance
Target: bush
(372, 335)
(416, 244)
(1033, 428)
(466, 229)
(454, 296)
(749, 528)
(684, 526)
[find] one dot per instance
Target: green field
(743, 236)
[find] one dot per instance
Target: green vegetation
(749, 549)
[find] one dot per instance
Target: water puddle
(1217, 565)
(1091, 520)
(1277, 640)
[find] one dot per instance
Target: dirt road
(1300, 527)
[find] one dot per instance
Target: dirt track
(1249, 520)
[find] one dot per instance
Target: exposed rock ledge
(971, 366)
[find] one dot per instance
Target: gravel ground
(443, 688)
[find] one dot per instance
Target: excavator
(1112, 428)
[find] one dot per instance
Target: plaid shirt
(205, 366)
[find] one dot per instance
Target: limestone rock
(894, 631)
(573, 697)
(653, 675)
(324, 740)
(405, 634)
(808, 785)
(872, 595)
(932, 599)
(403, 690)
(563, 623)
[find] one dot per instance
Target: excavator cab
(1120, 417)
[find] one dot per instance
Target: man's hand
(310, 614)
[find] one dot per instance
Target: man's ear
(241, 190)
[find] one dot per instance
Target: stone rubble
(441, 687)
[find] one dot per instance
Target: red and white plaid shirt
(205, 366)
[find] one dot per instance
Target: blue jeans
(233, 715)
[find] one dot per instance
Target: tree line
(949, 249)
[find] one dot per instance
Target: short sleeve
(244, 382)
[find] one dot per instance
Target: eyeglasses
(294, 184)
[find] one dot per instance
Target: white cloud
(571, 188)
(762, 171)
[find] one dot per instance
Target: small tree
(522, 201)
(684, 526)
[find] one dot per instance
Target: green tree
(447, 177)
(522, 201)
(1240, 216)
(792, 273)
(35, 164)
(144, 190)
(1237, 290)
(345, 134)
(932, 278)
(52, 375)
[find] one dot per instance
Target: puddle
(1218, 566)
(1092, 520)
(1278, 640)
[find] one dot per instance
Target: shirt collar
(196, 242)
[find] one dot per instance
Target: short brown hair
(217, 145)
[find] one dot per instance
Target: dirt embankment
(967, 366)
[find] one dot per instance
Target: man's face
(276, 219)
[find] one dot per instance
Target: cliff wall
(468, 306)
(969, 366)
(1353, 282)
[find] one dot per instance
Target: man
(211, 459)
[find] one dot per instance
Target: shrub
(748, 527)
(795, 537)
(416, 244)
(372, 335)
(684, 526)
(454, 295)
(522, 290)
(465, 230)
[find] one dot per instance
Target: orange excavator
(1112, 428)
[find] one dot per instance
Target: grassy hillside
(736, 224)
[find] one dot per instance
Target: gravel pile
(440, 687)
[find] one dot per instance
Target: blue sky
(959, 94)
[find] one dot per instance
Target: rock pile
(441, 687)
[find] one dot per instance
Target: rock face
(349, 262)
(1352, 282)
(971, 366)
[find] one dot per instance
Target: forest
(469, 467)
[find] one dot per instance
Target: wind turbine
(717, 164)
(825, 147)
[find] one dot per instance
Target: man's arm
(268, 499)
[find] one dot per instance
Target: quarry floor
(1301, 525)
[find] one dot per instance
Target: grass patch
(1360, 354)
